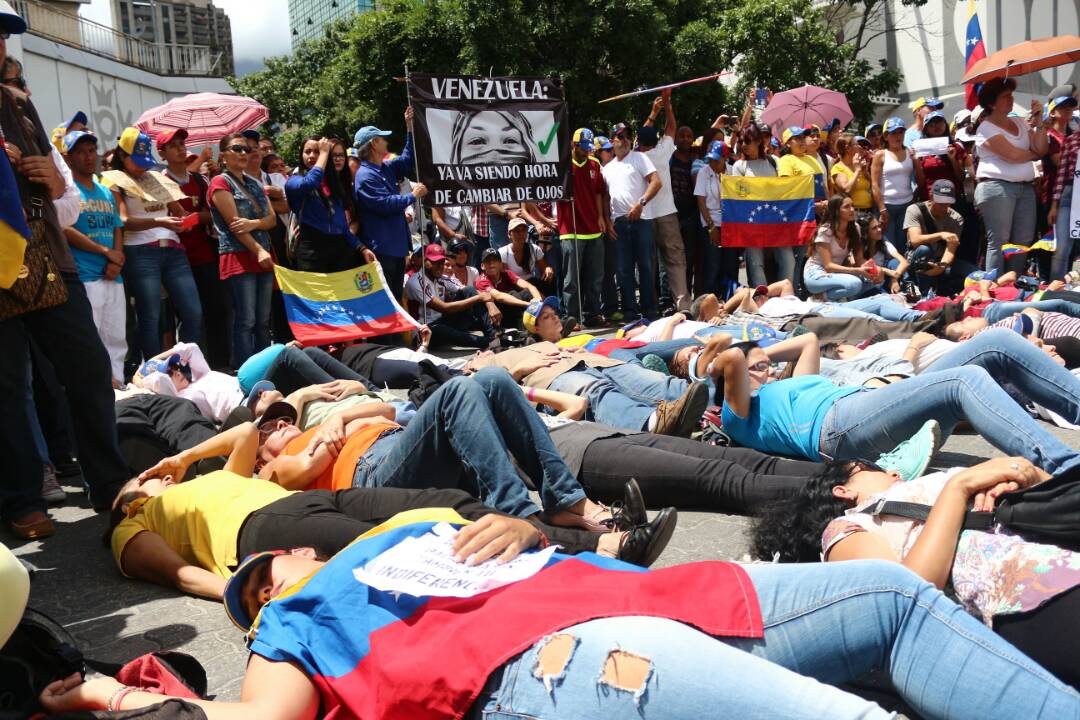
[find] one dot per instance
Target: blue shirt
(911, 135)
(325, 214)
(383, 228)
(786, 416)
(98, 217)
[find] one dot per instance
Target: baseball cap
(934, 103)
(936, 115)
(619, 129)
(893, 124)
(256, 390)
(1060, 101)
(600, 142)
(169, 135)
(78, 118)
(234, 605)
(871, 128)
(434, 252)
(516, 223)
(73, 137)
(835, 122)
(252, 135)
(137, 145)
(584, 138)
(277, 411)
(862, 140)
(10, 21)
(488, 254)
(960, 118)
(368, 133)
(717, 150)
(812, 129)
(792, 132)
(532, 312)
(943, 191)
(647, 136)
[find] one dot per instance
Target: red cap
(167, 137)
(434, 253)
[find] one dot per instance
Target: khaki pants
(669, 243)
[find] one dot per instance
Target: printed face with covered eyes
(492, 137)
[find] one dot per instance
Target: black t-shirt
(682, 185)
(361, 357)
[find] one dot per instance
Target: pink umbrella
(808, 105)
(207, 117)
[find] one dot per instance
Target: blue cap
(717, 150)
(936, 115)
(10, 22)
(78, 117)
(531, 314)
(871, 127)
(934, 104)
(774, 142)
(1061, 100)
(893, 124)
(830, 125)
(792, 132)
(647, 136)
(368, 133)
(233, 596)
(256, 390)
(583, 137)
(600, 142)
(862, 140)
(73, 137)
(252, 135)
(137, 145)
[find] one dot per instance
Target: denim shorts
(369, 462)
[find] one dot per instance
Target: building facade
(307, 18)
(179, 23)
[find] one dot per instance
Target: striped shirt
(1067, 166)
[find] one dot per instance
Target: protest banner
(485, 140)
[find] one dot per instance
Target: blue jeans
(634, 249)
(948, 282)
(250, 293)
(875, 307)
(894, 229)
(146, 269)
(498, 231)
(824, 623)
(624, 399)
(755, 264)
(996, 311)
(463, 437)
(1063, 254)
(1008, 214)
(588, 255)
(665, 349)
(835, 286)
(868, 423)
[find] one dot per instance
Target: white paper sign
(425, 565)
(925, 147)
(1074, 210)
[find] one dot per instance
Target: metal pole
(577, 261)
(416, 160)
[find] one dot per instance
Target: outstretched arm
(803, 350)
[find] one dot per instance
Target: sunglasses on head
(242, 149)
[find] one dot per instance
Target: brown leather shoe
(32, 526)
(679, 418)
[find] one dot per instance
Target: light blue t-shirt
(911, 135)
(98, 217)
(786, 416)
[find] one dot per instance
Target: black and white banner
(486, 140)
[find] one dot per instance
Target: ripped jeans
(824, 623)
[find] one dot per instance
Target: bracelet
(118, 697)
(531, 394)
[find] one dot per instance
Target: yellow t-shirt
(792, 165)
(860, 194)
(200, 518)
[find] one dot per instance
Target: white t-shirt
(137, 208)
(626, 181)
(754, 168)
(683, 331)
(471, 274)
(660, 156)
(506, 252)
(453, 216)
(825, 237)
(785, 306)
(895, 349)
(420, 289)
(707, 186)
(884, 253)
(215, 394)
(994, 167)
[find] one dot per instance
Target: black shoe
(67, 468)
(643, 544)
(631, 512)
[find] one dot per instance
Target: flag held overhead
(767, 211)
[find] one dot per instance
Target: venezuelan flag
(974, 51)
(1047, 242)
(767, 211)
(14, 232)
(326, 308)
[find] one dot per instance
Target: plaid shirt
(480, 220)
(1067, 166)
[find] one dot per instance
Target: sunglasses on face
(865, 465)
(268, 428)
(241, 149)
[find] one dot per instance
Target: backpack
(1045, 513)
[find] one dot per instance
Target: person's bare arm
(825, 257)
(148, 557)
(732, 365)
(1005, 149)
(669, 326)
(134, 224)
(875, 184)
(715, 345)
(439, 218)
(226, 205)
(78, 240)
(455, 306)
(572, 407)
(533, 292)
(803, 350)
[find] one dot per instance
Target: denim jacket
(245, 208)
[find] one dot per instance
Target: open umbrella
(207, 117)
(805, 106)
(1026, 57)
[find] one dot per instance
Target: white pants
(110, 316)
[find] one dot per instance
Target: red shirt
(197, 243)
(939, 167)
(507, 282)
(588, 184)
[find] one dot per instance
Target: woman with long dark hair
(829, 271)
(754, 161)
(321, 200)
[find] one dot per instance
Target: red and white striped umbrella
(207, 117)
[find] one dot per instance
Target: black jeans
(293, 369)
(217, 314)
(152, 427)
(318, 252)
(394, 271)
(690, 474)
(328, 521)
(453, 329)
(65, 334)
(1049, 634)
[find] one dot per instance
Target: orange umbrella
(1026, 57)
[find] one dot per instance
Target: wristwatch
(642, 201)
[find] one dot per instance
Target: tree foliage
(347, 79)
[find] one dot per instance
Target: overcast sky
(256, 35)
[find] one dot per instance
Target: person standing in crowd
(242, 217)
(64, 333)
(1059, 113)
(385, 229)
(451, 311)
(707, 192)
(681, 169)
(525, 259)
(920, 110)
(150, 208)
(755, 162)
(478, 217)
(872, 133)
(801, 159)
(609, 289)
(834, 269)
(662, 211)
(632, 182)
(1005, 195)
(200, 248)
(97, 244)
(1061, 205)
(582, 224)
(318, 197)
(451, 224)
(851, 175)
(892, 173)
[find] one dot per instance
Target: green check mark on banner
(545, 145)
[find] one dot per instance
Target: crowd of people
(810, 387)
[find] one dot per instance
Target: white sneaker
(51, 492)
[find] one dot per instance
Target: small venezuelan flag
(327, 308)
(1047, 242)
(14, 232)
(767, 211)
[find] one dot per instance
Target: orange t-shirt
(339, 475)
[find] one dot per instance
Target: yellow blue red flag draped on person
(767, 211)
(325, 308)
(14, 232)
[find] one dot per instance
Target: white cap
(11, 21)
(960, 117)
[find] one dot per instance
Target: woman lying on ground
(590, 638)
(1026, 591)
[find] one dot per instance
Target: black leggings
(1049, 635)
(690, 474)
(328, 521)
